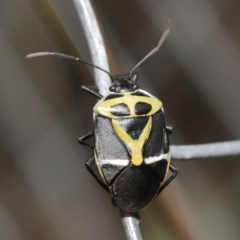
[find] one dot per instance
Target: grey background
(45, 190)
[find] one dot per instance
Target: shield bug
(131, 147)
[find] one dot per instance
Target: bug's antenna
(62, 55)
(155, 49)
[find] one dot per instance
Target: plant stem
(206, 150)
(99, 57)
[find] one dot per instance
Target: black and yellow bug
(131, 147)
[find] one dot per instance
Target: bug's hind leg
(169, 129)
(89, 164)
(174, 171)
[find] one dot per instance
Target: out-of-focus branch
(218, 149)
(95, 42)
(99, 58)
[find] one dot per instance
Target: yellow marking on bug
(103, 107)
(169, 160)
(98, 165)
(134, 145)
(168, 165)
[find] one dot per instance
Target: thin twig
(218, 149)
(130, 223)
(99, 57)
(95, 43)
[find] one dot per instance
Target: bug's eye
(142, 108)
(120, 109)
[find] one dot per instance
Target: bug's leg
(174, 171)
(89, 163)
(169, 129)
(82, 140)
(91, 91)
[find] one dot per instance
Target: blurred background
(45, 191)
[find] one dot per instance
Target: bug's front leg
(89, 164)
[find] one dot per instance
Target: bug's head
(124, 83)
